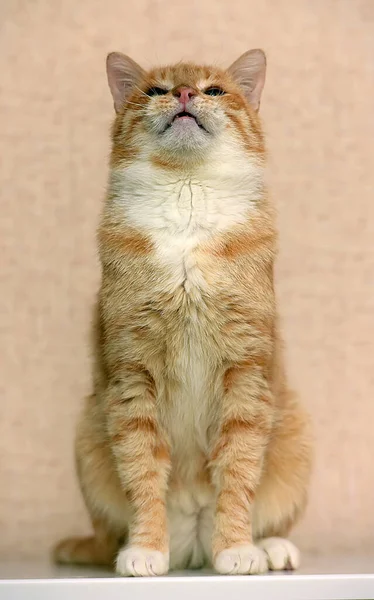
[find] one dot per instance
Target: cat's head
(179, 114)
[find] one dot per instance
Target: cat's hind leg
(282, 494)
(106, 503)
(281, 554)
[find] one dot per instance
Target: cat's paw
(241, 560)
(141, 562)
(281, 554)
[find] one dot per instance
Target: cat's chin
(185, 120)
(185, 134)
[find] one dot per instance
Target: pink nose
(184, 94)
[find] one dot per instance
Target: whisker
(135, 103)
(141, 91)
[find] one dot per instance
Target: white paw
(281, 553)
(241, 560)
(141, 562)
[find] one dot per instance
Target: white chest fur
(180, 212)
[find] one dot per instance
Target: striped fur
(191, 450)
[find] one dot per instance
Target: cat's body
(191, 435)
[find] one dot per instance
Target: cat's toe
(141, 562)
(241, 560)
(281, 553)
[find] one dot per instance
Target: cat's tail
(86, 551)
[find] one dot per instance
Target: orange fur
(191, 421)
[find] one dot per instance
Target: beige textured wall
(55, 111)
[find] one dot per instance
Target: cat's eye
(214, 91)
(157, 91)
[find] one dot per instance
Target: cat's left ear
(123, 74)
(249, 72)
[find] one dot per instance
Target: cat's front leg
(142, 461)
(237, 459)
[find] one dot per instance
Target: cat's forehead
(188, 74)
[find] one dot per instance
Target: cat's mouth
(185, 116)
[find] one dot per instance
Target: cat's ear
(123, 73)
(249, 72)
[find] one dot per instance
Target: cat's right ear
(123, 74)
(249, 72)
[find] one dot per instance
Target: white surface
(320, 578)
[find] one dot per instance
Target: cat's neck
(214, 195)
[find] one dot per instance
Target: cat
(191, 451)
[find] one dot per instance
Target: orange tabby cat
(191, 449)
